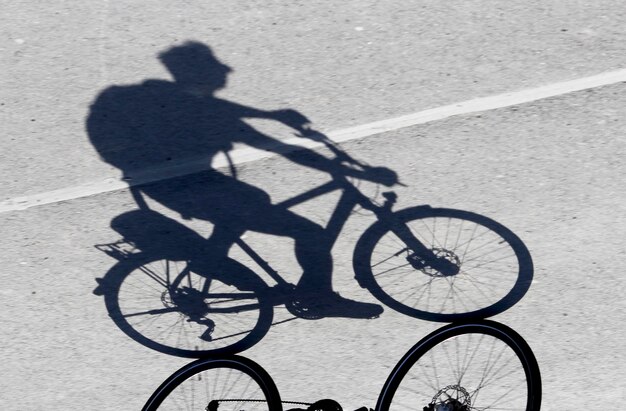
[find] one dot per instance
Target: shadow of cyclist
(161, 122)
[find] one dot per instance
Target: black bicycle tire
(246, 365)
(495, 329)
(367, 242)
(113, 280)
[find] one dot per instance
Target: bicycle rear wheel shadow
(165, 305)
(170, 299)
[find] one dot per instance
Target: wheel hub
(422, 264)
(450, 398)
(189, 301)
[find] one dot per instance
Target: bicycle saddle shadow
(165, 238)
(154, 233)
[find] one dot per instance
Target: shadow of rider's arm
(308, 157)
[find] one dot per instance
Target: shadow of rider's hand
(293, 119)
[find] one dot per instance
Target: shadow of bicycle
(179, 293)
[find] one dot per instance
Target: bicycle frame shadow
(170, 277)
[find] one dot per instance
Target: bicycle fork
(418, 255)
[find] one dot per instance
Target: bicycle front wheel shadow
(481, 365)
(492, 266)
(172, 307)
(225, 384)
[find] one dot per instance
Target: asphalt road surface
(550, 170)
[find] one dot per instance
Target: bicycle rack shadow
(177, 292)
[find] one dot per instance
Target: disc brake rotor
(450, 398)
(419, 263)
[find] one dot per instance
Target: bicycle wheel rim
(495, 268)
(482, 365)
(229, 384)
(147, 300)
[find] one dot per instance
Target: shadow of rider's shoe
(313, 306)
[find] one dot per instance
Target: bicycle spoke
(472, 368)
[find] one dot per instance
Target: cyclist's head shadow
(194, 66)
(159, 122)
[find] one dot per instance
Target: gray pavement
(551, 171)
(340, 64)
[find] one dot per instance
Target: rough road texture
(551, 171)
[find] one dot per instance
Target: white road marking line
(247, 154)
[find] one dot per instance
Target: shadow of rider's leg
(312, 248)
